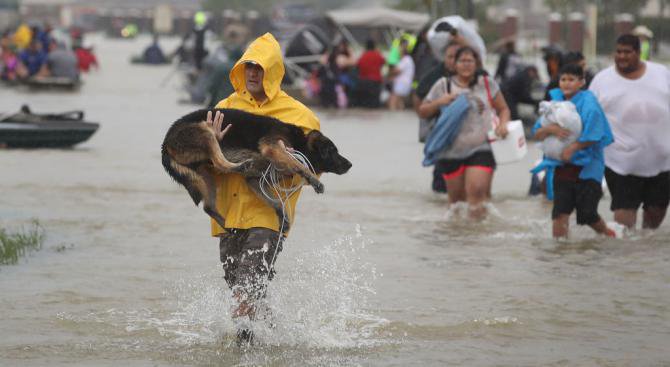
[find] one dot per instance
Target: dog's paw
(318, 187)
(285, 226)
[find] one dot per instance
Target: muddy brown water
(375, 273)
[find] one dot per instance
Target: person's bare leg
(602, 228)
(626, 217)
(560, 226)
(396, 102)
(244, 305)
(477, 186)
(456, 190)
(245, 312)
(652, 217)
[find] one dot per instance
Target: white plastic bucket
(511, 149)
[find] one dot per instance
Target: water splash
(323, 299)
(459, 211)
(318, 298)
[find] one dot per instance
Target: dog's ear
(320, 145)
(312, 137)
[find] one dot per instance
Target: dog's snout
(343, 166)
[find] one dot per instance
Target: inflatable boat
(53, 82)
(26, 129)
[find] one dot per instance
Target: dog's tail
(185, 175)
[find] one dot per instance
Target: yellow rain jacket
(22, 36)
(234, 200)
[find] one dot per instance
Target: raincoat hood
(264, 51)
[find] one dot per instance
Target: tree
(439, 8)
(218, 5)
(608, 8)
(266, 6)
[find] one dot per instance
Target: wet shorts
(572, 193)
(247, 258)
(629, 191)
(452, 168)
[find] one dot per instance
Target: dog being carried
(196, 148)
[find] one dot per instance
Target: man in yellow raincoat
(250, 240)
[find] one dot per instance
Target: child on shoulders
(577, 178)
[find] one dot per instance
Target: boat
(52, 82)
(139, 60)
(26, 129)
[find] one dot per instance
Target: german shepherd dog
(192, 155)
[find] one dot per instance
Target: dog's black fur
(190, 156)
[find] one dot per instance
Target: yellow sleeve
(224, 103)
(308, 120)
(314, 120)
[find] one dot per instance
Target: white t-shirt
(402, 84)
(639, 114)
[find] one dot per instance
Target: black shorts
(452, 168)
(629, 191)
(582, 195)
(248, 257)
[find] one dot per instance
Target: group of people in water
(622, 136)
(33, 52)
(627, 147)
(341, 80)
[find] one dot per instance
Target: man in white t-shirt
(635, 96)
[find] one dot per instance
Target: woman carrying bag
(468, 162)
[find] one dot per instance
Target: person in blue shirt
(33, 58)
(43, 35)
(577, 177)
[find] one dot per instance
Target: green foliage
(621, 6)
(9, 4)
(414, 5)
(566, 5)
(217, 5)
(266, 6)
(606, 8)
(440, 8)
(15, 245)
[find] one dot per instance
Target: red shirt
(85, 58)
(370, 65)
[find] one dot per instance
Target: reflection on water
(377, 271)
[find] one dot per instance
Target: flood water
(375, 272)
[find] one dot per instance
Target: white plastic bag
(563, 113)
(438, 40)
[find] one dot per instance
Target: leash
(271, 181)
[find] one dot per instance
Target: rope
(271, 181)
